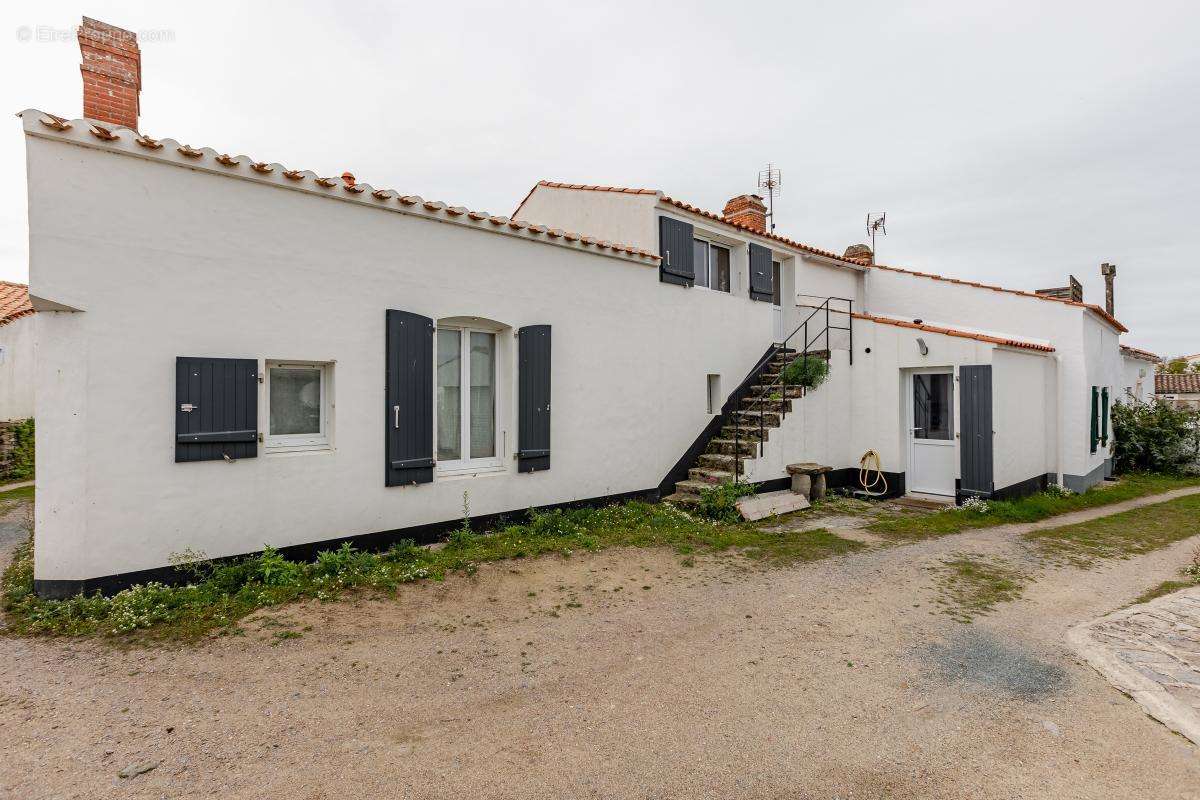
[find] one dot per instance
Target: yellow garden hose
(870, 462)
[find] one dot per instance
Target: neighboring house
(1181, 391)
(232, 353)
(16, 352)
(1139, 374)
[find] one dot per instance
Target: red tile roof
(982, 337)
(1185, 383)
(1144, 355)
(1104, 315)
(14, 301)
(697, 210)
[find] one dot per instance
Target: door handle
(395, 416)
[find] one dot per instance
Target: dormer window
(711, 263)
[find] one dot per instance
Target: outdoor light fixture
(924, 348)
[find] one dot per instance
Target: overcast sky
(1009, 142)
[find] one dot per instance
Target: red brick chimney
(112, 73)
(748, 210)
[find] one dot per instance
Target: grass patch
(1027, 509)
(224, 593)
(1163, 589)
(973, 585)
(1129, 533)
(14, 496)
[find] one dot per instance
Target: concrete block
(761, 506)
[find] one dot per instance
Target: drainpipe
(1058, 413)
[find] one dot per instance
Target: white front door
(932, 456)
(777, 332)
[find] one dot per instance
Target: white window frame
(300, 442)
(465, 464)
(710, 265)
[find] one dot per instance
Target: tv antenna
(769, 181)
(876, 224)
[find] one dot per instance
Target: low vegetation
(809, 373)
(20, 463)
(973, 585)
(1129, 533)
(222, 593)
(1042, 505)
(719, 502)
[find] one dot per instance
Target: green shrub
(20, 465)
(1155, 437)
(809, 373)
(719, 502)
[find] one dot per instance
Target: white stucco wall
(1024, 418)
(616, 216)
(1137, 381)
(183, 262)
(1086, 346)
(16, 368)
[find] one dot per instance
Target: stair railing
(782, 347)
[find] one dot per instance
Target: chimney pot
(1073, 291)
(348, 177)
(111, 67)
(1109, 271)
(748, 210)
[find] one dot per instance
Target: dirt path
(539, 680)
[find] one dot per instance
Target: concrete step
(747, 447)
(720, 461)
(709, 476)
(691, 488)
(761, 404)
(770, 419)
(744, 433)
(681, 498)
(790, 392)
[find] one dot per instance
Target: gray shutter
(675, 248)
(216, 408)
(975, 434)
(533, 398)
(761, 285)
(409, 395)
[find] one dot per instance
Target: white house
(1139, 374)
(16, 352)
(231, 353)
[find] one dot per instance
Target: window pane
(720, 268)
(775, 288)
(483, 395)
(932, 406)
(449, 395)
(700, 252)
(295, 401)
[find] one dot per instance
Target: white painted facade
(190, 256)
(16, 368)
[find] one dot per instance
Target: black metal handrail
(765, 391)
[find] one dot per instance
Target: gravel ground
(616, 675)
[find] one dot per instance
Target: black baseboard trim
(847, 478)
(1037, 483)
(108, 585)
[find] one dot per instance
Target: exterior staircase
(760, 409)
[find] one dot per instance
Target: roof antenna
(769, 181)
(876, 224)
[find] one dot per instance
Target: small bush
(719, 502)
(1155, 437)
(20, 465)
(809, 373)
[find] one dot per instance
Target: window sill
(472, 471)
(297, 450)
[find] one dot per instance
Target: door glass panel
(932, 405)
(295, 401)
(483, 395)
(449, 395)
(775, 297)
(720, 268)
(700, 255)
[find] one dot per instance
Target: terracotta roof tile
(701, 212)
(1109, 318)
(1185, 383)
(265, 171)
(1144, 355)
(982, 337)
(14, 302)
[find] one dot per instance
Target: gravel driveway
(617, 675)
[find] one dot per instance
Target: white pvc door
(777, 332)
(932, 456)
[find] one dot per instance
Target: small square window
(298, 406)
